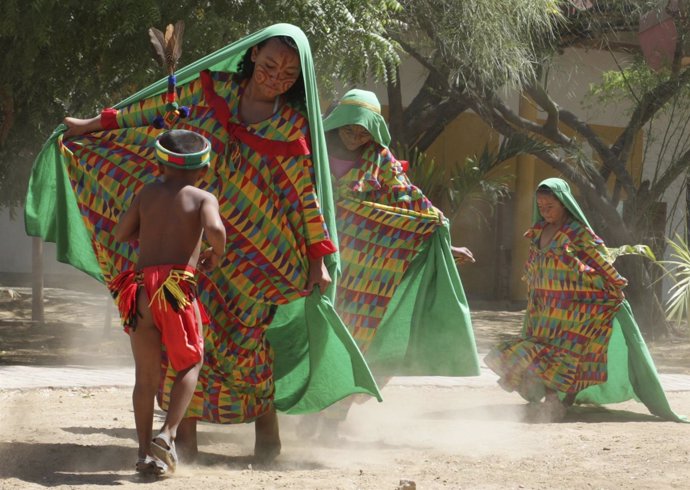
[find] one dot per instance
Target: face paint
(276, 67)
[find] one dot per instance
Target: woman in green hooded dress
(580, 342)
(400, 293)
(256, 102)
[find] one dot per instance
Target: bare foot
(308, 426)
(569, 399)
(553, 409)
(185, 441)
(267, 445)
(328, 434)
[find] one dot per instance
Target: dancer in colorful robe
(580, 342)
(400, 293)
(256, 101)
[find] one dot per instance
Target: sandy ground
(435, 436)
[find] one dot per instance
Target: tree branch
(438, 77)
(667, 178)
(396, 114)
(594, 184)
(540, 96)
(649, 105)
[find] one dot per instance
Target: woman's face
(276, 68)
(353, 136)
(551, 209)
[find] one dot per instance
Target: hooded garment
(267, 177)
(616, 365)
(400, 292)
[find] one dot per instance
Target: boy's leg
(267, 444)
(180, 395)
(146, 349)
(182, 390)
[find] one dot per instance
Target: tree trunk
(37, 312)
(395, 109)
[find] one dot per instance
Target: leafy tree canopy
(75, 57)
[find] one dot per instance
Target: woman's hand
(318, 275)
(77, 127)
(462, 255)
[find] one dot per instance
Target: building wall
(16, 253)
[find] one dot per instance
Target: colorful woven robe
(577, 316)
(400, 292)
(574, 294)
(266, 184)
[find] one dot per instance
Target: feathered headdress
(167, 49)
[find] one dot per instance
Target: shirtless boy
(157, 301)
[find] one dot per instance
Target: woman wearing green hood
(400, 293)
(580, 342)
(256, 101)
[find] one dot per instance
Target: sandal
(150, 466)
(164, 449)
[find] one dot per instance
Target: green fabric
(426, 328)
(301, 386)
(630, 368)
(51, 211)
(360, 107)
(419, 334)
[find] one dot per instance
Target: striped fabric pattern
(574, 294)
(271, 215)
(383, 223)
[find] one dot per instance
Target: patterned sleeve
(394, 187)
(143, 112)
(316, 233)
(592, 253)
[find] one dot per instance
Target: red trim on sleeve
(316, 250)
(109, 118)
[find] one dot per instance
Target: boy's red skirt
(172, 293)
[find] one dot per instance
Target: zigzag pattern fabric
(383, 222)
(271, 215)
(574, 295)
(377, 244)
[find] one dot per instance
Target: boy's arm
(213, 229)
(127, 227)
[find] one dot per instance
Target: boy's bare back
(171, 223)
(168, 218)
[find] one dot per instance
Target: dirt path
(438, 437)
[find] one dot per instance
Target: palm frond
(678, 270)
(640, 250)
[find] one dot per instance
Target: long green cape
(316, 361)
(631, 371)
(426, 328)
